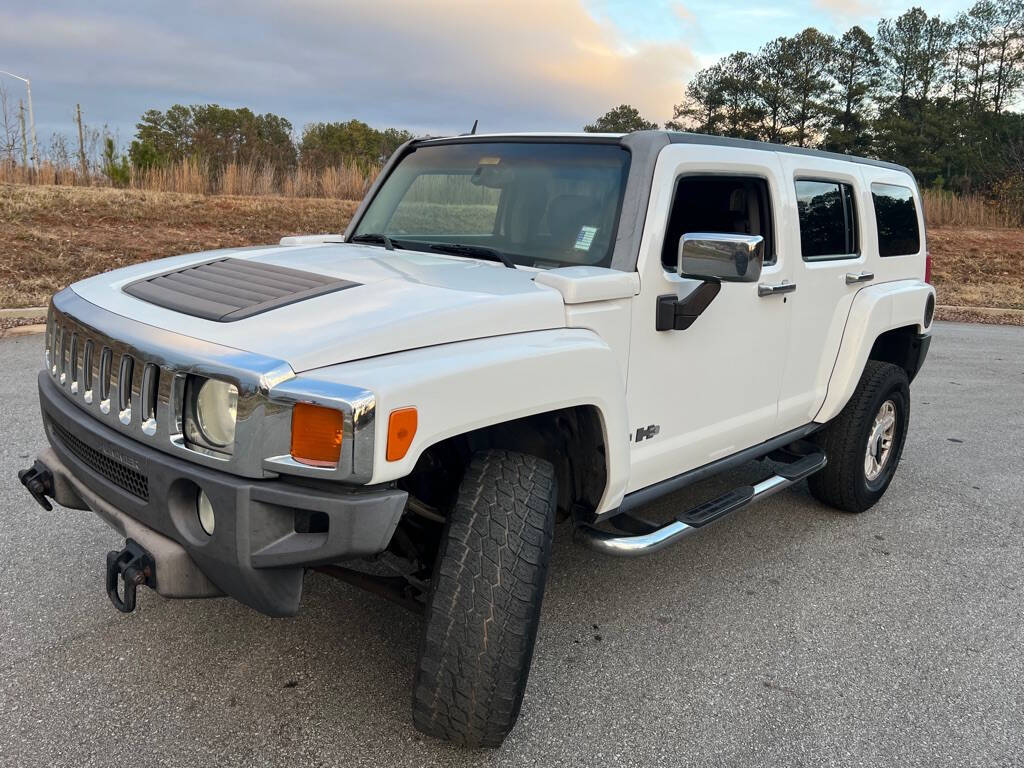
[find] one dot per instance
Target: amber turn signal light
(401, 431)
(316, 435)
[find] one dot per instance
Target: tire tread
(485, 600)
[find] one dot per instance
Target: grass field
(53, 236)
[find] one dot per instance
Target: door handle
(860, 277)
(764, 289)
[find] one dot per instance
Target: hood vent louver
(232, 289)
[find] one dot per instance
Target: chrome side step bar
(643, 538)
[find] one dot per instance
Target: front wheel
(865, 441)
(485, 600)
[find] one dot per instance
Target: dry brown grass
(48, 175)
(974, 267)
(194, 177)
(190, 177)
(350, 182)
(55, 235)
(942, 209)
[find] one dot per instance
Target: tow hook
(39, 482)
(136, 567)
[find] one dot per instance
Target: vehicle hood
(402, 300)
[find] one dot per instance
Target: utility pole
(31, 116)
(81, 145)
(24, 140)
(32, 123)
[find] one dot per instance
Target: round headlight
(217, 411)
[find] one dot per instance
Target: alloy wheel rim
(880, 441)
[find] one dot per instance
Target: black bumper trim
(122, 476)
(918, 353)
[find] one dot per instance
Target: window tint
(896, 214)
(721, 204)
(828, 224)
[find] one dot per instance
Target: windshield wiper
(474, 251)
(456, 249)
(375, 237)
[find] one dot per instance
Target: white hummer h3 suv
(513, 330)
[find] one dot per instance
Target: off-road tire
(485, 600)
(843, 483)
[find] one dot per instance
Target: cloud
(847, 10)
(515, 64)
(538, 56)
(683, 13)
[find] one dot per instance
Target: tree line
(223, 136)
(937, 95)
(933, 94)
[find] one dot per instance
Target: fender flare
(465, 386)
(875, 310)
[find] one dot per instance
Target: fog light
(205, 509)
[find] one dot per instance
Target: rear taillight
(928, 267)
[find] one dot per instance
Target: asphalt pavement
(786, 634)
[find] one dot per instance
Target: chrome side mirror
(719, 256)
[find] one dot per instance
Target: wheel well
(572, 439)
(900, 346)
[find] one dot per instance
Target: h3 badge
(646, 433)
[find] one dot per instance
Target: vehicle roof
(673, 137)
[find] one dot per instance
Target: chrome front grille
(132, 378)
(104, 375)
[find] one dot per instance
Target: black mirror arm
(675, 314)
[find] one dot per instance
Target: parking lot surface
(787, 634)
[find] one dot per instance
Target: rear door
(827, 205)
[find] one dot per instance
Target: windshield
(540, 204)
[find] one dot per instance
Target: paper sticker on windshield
(585, 238)
(489, 161)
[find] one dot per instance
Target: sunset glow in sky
(426, 66)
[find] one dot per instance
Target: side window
(828, 221)
(722, 204)
(896, 214)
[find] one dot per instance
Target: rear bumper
(917, 354)
(267, 532)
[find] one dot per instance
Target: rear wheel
(865, 441)
(485, 600)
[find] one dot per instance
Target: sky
(431, 67)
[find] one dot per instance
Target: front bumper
(267, 531)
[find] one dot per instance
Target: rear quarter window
(828, 220)
(896, 216)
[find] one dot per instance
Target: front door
(703, 393)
